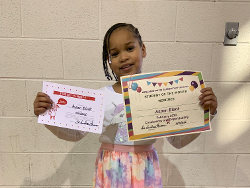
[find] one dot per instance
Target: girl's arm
(182, 140)
(207, 99)
(67, 134)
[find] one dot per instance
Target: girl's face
(125, 52)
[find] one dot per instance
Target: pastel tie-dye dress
(116, 169)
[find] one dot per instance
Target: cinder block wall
(61, 41)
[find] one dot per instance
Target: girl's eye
(131, 48)
(114, 54)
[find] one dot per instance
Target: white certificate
(74, 108)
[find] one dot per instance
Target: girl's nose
(124, 57)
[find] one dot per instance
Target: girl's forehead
(121, 35)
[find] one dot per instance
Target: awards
(74, 108)
(164, 104)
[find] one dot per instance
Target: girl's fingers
(208, 99)
(43, 105)
(41, 94)
(206, 93)
(39, 111)
(207, 103)
(44, 99)
(206, 89)
(211, 98)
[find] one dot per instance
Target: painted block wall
(61, 41)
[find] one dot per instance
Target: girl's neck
(117, 87)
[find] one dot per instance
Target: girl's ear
(144, 53)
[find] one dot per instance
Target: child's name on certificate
(74, 108)
(164, 104)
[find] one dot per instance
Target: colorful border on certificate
(126, 79)
(127, 107)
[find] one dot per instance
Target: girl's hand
(208, 99)
(42, 103)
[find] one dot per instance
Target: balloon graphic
(134, 86)
(138, 89)
(193, 86)
(62, 101)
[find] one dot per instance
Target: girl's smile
(127, 67)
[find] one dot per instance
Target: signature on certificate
(81, 115)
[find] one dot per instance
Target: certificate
(164, 104)
(74, 108)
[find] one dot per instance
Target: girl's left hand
(208, 99)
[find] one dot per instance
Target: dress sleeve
(183, 140)
(67, 134)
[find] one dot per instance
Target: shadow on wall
(243, 178)
(241, 144)
(238, 168)
(73, 171)
(229, 102)
(166, 166)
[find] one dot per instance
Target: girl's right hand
(42, 103)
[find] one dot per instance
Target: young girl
(120, 163)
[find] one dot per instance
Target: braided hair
(105, 52)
